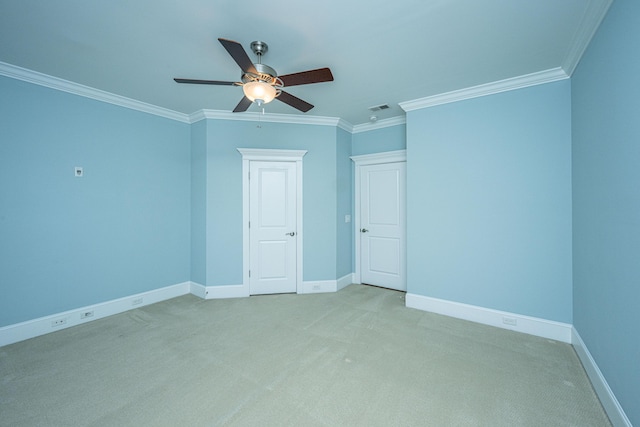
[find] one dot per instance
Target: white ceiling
(380, 51)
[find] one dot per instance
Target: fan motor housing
(267, 74)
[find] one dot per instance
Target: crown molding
(345, 125)
(271, 154)
(267, 117)
(499, 86)
(30, 76)
(589, 24)
(380, 124)
(56, 83)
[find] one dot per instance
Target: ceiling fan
(261, 83)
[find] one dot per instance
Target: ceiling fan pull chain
(259, 126)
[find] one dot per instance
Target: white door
(383, 225)
(272, 227)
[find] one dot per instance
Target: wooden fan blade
(205, 82)
(307, 77)
(239, 55)
(294, 101)
(243, 105)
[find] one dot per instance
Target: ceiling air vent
(379, 107)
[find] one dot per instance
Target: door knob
(363, 230)
(293, 233)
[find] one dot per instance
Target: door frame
(366, 160)
(270, 155)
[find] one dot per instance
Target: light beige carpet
(357, 357)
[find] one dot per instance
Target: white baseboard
(319, 286)
(501, 319)
(322, 286)
(44, 325)
(240, 291)
(198, 290)
(607, 398)
(345, 281)
(219, 292)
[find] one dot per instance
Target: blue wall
(224, 193)
(160, 203)
(199, 202)
(68, 242)
(606, 201)
(344, 183)
(489, 202)
(390, 138)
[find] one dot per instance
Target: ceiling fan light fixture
(260, 83)
(259, 92)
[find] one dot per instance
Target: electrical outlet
(59, 322)
(136, 301)
(511, 321)
(86, 314)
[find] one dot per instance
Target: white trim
(591, 20)
(365, 160)
(323, 286)
(41, 326)
(272, 155)
(56, 83)
(379, 158)
(345, 125)
(318, 286)
(344, 281)
(238, 291)
(267, 117)
(218, 292)
(607, 398)
(271, 118)
(30, 76)
(226, 291)
(380, 124)
(513, 83)
(259, 154)
(198, 290)
(530, 325)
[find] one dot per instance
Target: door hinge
(249, 273)
(249, 224)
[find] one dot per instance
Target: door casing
(272, 212)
